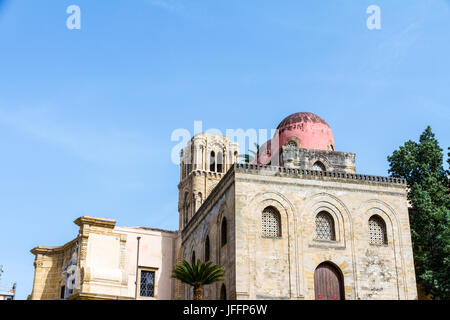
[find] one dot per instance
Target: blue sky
(86, 116)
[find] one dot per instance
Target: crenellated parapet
(305, 173)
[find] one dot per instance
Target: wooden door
(328, 282)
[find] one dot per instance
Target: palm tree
(197, 274)
(252, 155)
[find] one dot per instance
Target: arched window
(318, 166)
(271, 223)
(212, 162)
(193, 256)
(188, 211)
(223, 292)
(292, 143)
(223, 232)
(198, 200)
(207, 249)
(194, 205)
(185, 210)
(219, 161)
(236, 156)
(183, 171)
(377, 230)
(325, 226)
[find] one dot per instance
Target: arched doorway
(328, 282)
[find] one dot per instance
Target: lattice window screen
(377, 231)
(271, 225)
(324, 226)
(147, 284)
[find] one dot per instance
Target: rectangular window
(147, 288)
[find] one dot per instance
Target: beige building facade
(102, 262)
(297, 222)
(283, 264)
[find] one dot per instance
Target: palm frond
(198, 273)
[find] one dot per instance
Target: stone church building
(298, 222)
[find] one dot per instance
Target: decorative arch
(338, 261)
(289, 232)
(191, 247)
(385, 211)
(321, 161)
(336, 208)
(328, 282)
(318, 166)
(293, 142)
(395, 242)
(221, 251)
(343, 232)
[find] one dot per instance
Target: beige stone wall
(48, 264)
(284, 268)
(207, 222)
(156, 253)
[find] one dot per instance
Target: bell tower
(204, 161)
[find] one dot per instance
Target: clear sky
(86, 116)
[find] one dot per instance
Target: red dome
(306, 129)
(301, 129)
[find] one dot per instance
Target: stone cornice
(52, 250)
(145, 229)
(198, 172)
(95, 296)
(94, 221)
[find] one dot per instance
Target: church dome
(306, 130)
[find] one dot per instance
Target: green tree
(198, 274)
(421, 164)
